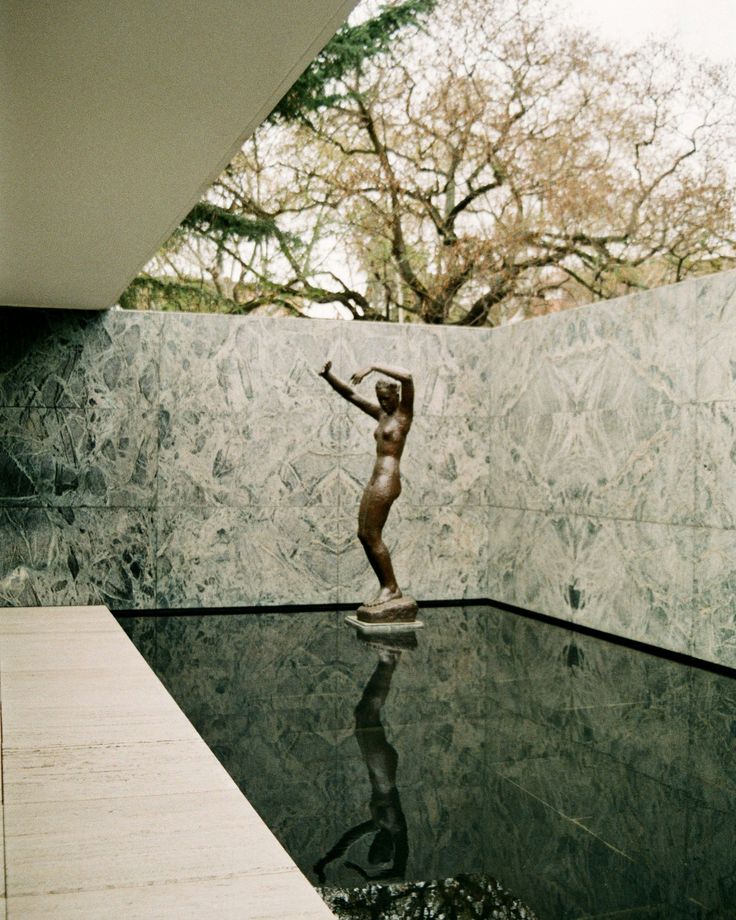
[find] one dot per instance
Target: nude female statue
(393, 411)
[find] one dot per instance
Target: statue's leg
(374, 509)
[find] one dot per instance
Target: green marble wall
(613, 454)
(167, 460)
(579, 465)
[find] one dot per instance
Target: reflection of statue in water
(394, 411)
(390, 845)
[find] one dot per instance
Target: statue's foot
(385, 594)
(397, 608)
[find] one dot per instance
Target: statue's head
(387, 393)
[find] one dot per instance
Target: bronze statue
(394, 411)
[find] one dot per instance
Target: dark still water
(488, 763)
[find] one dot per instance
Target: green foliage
(345, 54)
(216, 223)
(224, 224)
(147, 293)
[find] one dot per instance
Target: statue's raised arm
(406, 401)
(347, 392)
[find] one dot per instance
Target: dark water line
(287, 609)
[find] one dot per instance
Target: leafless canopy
(496, 163)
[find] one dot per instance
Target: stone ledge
(112, 803)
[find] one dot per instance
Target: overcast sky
(703, 27)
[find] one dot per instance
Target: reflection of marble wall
(582, 465)
(590, 779)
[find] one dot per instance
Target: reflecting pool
(488, 762)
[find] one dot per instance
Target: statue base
(380, 629)
(398, 610)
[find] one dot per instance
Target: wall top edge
(663, 292)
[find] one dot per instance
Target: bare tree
(495, 163)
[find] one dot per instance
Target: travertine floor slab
(55, 651)
(51, 774)
(265, 897)
(139, 840)
(64, 620)
(113, 806)
(72, 707)
(2, 857)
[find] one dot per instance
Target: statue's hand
(325, 369)
(360, 375)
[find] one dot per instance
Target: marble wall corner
(624, 577)
(57, 556)
(636, 580)
(531, 561)
(715, 308)
(714, 618)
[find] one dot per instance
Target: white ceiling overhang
(116, 115)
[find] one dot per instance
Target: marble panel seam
(548, 511)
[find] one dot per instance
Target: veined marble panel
(220, 557)
(76, 556)
(445, 460)
(532, 560)
(255, 458)
(715, 306)
(628, 578)
(617, 463)
(225, 363)
(637, 352)
(78, 358)
(92, 457)
(438, 553)
(636, 580)
(714, 626)
(640, 464)
(715, 471)
(538, 462)
(453, 370)
(451, 367)
(513, 351)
